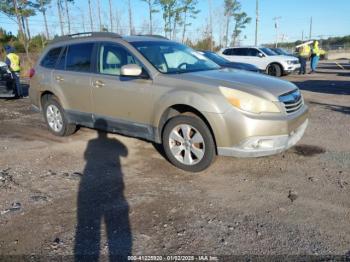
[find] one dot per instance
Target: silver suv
(165, 92)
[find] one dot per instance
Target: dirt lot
(95, 194)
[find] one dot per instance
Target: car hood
(286, 57)
(258, 84)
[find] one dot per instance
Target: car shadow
(336, 108)
(101, 200)
(337, 73)
(325, 86)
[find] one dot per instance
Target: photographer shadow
(101, 199)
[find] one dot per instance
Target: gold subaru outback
(165, 92)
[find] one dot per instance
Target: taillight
(31, 72)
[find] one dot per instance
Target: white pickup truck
(263, 58)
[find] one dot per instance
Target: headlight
(248, 102)
(289, 62)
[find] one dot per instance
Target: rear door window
(51, 58)
(79, 57)
(240, 51)
(253, 52)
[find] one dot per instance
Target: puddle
(308, 150)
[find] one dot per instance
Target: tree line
(177, 17)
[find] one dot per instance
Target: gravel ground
(100, 194)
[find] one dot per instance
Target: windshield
(268, 51)
(173, 58)
(216, 58)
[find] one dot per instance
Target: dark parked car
(228, 64)
(281, 51)
(7, 84)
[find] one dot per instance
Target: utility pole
(257, 22)
(131, 27)
(99, 14)
(110, 14)
(83, 21)
(310, 34)
(211, 25)
(67, 14)
(276, 27)
(90, 14)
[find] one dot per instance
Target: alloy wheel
(54, 118)
(186, 144)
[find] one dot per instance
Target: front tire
(188, 143)
(56, 119)
(274, 70)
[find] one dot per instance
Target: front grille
(292, 101)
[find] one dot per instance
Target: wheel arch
(44, 96)
(275, 63)
(181, 109)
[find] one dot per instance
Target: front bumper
(292, 68)
(265, 145)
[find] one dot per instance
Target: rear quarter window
(61, 65)
(50, 59)
(79, 57)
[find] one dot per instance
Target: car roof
(90, 36)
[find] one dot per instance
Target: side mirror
(260, 55)
(131, 70)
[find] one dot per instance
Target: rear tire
(56, 119)
(188, 143)
(274, 70)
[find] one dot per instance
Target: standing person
(315, 57)
(14, 64)
(304, 54)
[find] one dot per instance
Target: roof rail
(155, 36)
(82, 35)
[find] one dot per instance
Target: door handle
(59, 78)
(98, 84)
